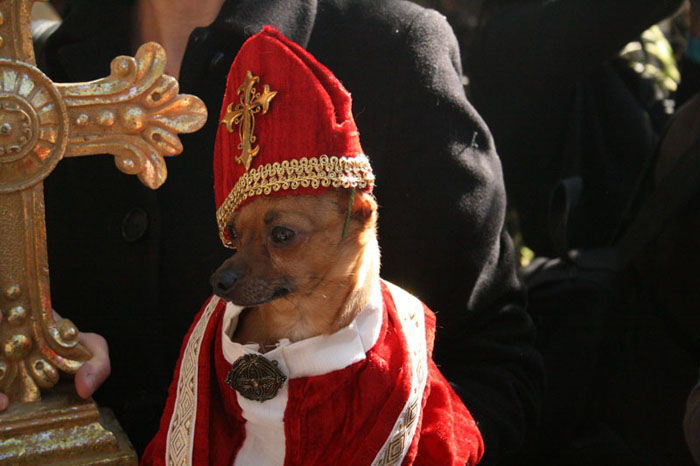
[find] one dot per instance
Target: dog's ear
(362, 206)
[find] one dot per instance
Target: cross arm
(134, 114)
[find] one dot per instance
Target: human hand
(91, 374)
(95, 371)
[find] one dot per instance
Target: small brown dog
(304, 355)
(295, 270)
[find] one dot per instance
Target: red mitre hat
(286, 128)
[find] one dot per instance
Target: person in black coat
(547, 78)
(133, 264)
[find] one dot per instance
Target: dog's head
(294, 247)
(287, 161)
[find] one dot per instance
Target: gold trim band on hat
(314, 172)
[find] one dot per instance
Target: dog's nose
(223, 281)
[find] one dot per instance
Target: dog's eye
(231, 232)
(282, 235)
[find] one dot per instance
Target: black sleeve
(544, 43)
(542, 76)
(690, 81)
(442, 205)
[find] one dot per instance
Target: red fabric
(311, 114)
(219, 431)
(226, 432)
(343, 417)
(155, 451)
(448, 433)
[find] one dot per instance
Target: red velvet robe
(368, 394)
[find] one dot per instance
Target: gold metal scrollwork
(135, 114)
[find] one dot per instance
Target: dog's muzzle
(223, 282)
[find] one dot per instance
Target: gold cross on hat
(242, 115)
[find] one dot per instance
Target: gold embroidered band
(337, 172)
(180, 439)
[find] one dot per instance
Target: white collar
(316, 355)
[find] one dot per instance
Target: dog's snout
(223, 281)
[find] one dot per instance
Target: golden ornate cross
(135, 114)
(242, 115)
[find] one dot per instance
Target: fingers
(91, 374)
(95, 371)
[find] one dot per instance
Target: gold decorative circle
(132, 119)
(123, 66)
(17, 315)
(17, 133)
(45, 375)
(67, 330)
(255, 377)
(106, 118)
(33, 128)
(13, 292)
(18, 346)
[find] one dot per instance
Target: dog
(294, 270)
(303, 355)
(304, 268)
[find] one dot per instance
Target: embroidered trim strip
(412, 318)
(314, 172)
(178, 450)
